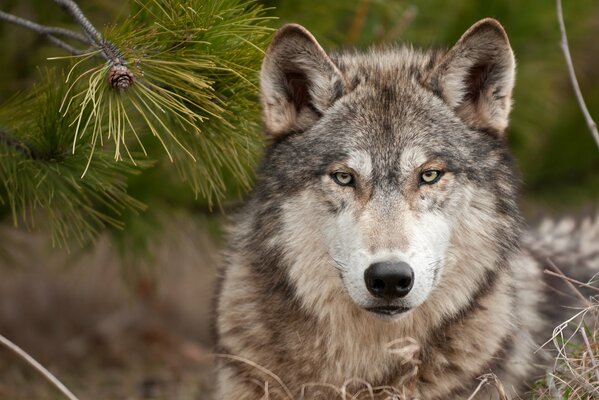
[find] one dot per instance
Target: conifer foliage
(172, 83)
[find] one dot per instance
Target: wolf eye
(342, 178)
(430, 176)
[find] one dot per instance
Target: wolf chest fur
(382, 246)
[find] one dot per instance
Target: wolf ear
(298, 81)
(476, 77)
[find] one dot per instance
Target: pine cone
(119, 77)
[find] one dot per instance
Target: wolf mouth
(388, 310)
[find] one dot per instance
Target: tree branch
(44, 30)
(57, 42)
(90, 30)
(566, 50)
(120, 77)
(31, 361)
(49, 32)
(109, 51)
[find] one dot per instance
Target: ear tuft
(476, 77)
(298, 81)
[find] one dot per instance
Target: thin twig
(566, 50)
(57, 42)
(109, 51)
(44, 30)
(119, 75)
(571, 282)
(91, 37)
(90, 30)
(49, 32)
(31, 361)
(486, 380)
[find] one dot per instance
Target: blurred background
(125, 314)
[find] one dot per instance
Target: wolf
(382, 251)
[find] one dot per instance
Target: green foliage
(191, 108)
(46, 180)
(194, 66)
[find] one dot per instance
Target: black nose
(389, 280)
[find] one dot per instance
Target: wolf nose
(389, 280)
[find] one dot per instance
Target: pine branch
(566, 50)
(39, 176)
(71, 147)
(196, 71)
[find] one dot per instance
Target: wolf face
(385, 212)
(388, 168)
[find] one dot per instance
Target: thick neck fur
(475, 294)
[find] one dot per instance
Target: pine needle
(194, 67)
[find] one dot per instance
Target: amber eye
(430, 176)
(343, 178)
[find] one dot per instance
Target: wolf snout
(389, 280)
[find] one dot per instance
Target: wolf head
(387, 180)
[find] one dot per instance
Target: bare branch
(570, 281)
(109, 51)
(90, 30)
(49, 32)
(120, 77)
(44, 30)
(566, 50)
(31, 361)
(57, 42)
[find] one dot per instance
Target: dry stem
(566, 49)
(31, 361)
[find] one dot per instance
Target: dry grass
(575, 373)
(406, 349)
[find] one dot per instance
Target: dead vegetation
(575, 345)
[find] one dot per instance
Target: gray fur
(292, 300)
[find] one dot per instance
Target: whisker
(339, 265)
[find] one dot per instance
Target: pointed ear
(298, 81)
(476, 77)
